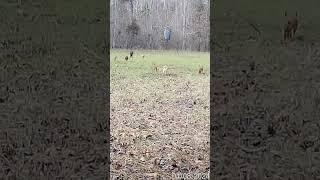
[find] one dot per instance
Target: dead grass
(50, 90)
(266, 120)
(159, 123)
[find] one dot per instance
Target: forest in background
(139, 24)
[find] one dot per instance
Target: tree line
(141, 24)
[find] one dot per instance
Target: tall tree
(188, 20)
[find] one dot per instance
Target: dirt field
(159, 122)
(52, 90)
(266, 103)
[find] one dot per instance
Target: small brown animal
(131, 54)
(126, 58)
(201, 70)
(155, 67)
(290, 26)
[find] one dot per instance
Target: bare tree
(141, 23)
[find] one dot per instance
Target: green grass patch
(179, 62)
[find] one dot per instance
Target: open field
(266, 104)
(159, 122)
(52, 90)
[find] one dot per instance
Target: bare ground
(266, 118)
(159, 126)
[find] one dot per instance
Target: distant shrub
(133, 28)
